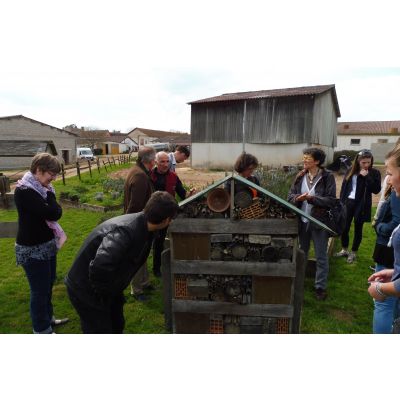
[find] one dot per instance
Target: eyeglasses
(52, 174)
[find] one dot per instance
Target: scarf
(29, 181)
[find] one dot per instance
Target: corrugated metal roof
(159, 134)
(261, 94)
(369, 128)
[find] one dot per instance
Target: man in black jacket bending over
(109, 258)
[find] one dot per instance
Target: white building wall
(366, 141)
(224, 155)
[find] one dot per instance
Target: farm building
(378, 136)
(21, 138)
(147, 136)
(274, 125)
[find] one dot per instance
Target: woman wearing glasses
(314, 191)
(356, 193)
(39, 237)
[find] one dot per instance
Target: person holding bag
(314, 191)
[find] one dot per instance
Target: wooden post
(63, 173)
(113, 160)
(105, 166)
(98, 164)
(90, 168)
(167, 287)
(78, 170)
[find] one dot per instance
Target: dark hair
(316, 153)
(160, 206)
(244, 161)
(45, 162)
(146, 154)
(183, 149)
(355, 168)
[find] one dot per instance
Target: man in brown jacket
(138, 189)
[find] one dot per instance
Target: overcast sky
(119, 65)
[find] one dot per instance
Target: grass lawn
(348, 308)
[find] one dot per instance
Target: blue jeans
(41, 275)
(384, 311)
(320, 239)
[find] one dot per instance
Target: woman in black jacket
(39, 237)
(356, 193)
(314, 191)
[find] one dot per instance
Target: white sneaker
(342, 253)
(352, 257)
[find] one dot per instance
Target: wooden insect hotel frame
(233, 264)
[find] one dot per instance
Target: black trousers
(109, 319)
(358, 227)
(158, 247)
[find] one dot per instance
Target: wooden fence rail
(122, 159)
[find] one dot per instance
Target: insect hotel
(234, 265)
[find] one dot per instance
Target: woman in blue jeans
(386, 220)
(386, 283)
(39, 237)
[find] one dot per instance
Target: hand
(309, 197)
(364, 172)
(382, 276)
(373, 293)
(302, 197)
(192, 191)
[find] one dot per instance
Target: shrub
(65, 194)
(74, 197)
(114, 185)
(115, 195)
(97, 152)
(99, 196)
(80, 189)
(276, 180)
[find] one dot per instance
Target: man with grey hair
(165, 180)
(137, 191)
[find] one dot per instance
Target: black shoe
(320, 294)
(140, 297)
(59, 322)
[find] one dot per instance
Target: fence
(111, 161)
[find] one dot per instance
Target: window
(355, 142)
(382, 140)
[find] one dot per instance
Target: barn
(274, 125)
(21, 138)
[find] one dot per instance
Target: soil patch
(194, 178)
